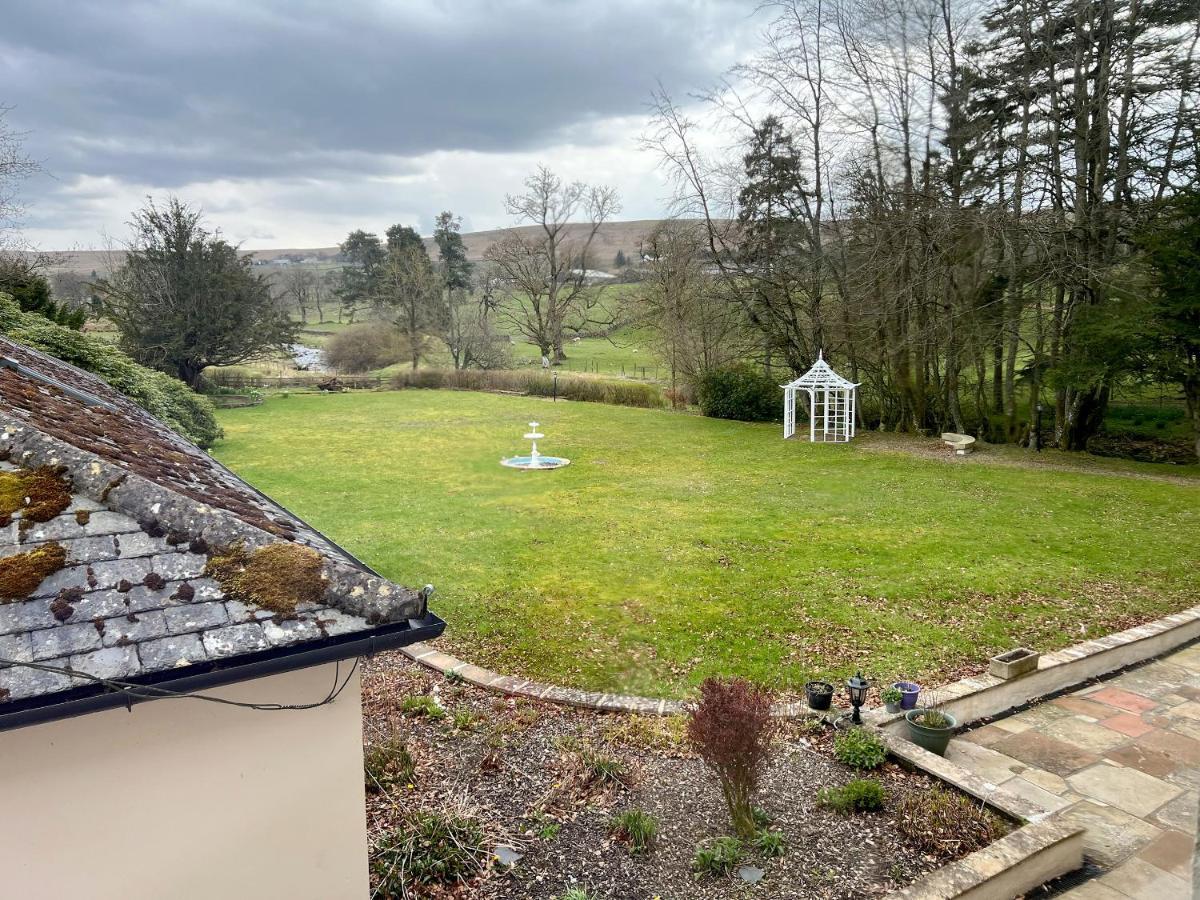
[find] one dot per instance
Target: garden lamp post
(857, 688)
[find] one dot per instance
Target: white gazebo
(831, 403)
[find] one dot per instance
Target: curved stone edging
(538, 690)
(1071, 665)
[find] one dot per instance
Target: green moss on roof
(37, 494)
(21, 574)
(277, 577)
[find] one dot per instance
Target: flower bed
(465, 767)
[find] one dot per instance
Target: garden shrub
(535, 383)
(159, 394)
(946, 823)
(859, 795)
(363, 348)
(731, 729)
(635, 829)
(717, 857)
(601, 768)
(859, 748)
(387, 764)
(423, 705)
(430, 847)
(741, 392)
(31, 291)
(769, 843)
(464, 719)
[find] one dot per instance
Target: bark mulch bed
(527, 772)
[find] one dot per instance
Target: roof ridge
(355, 591)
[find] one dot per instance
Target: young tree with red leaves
(731, 728)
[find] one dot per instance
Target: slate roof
(146, 508)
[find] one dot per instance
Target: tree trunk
(1085, 415)
(190, 372)
(998, 372)
(1191, 393)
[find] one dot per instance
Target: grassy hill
(613, 236)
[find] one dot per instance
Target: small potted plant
(819, 694)
(892, 699)
(930, 727)
(908, 693)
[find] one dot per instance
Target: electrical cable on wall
(150, 692)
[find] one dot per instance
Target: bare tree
(15, 167)
(693, 324)
(409, 294)
(298, 285)
(546, 273)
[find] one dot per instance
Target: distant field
(613, 236)
(676, 547)
(626, 353)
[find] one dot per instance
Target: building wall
(181, 799)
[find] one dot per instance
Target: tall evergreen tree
(362, 256)
(185, 299)
(403, 237)
(452, 252)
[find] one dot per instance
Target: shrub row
(740, 392)
(539, 384)
(162, 396)
(363, 348)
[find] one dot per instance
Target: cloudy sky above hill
(294, 122)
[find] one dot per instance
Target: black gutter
(94, 698)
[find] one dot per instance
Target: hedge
(540, 384)
(740, 392)
(159, 394)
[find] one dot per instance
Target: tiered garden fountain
(535, 460)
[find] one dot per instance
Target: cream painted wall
(182, 799)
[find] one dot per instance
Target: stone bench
(961, 443)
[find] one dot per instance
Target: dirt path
(1015, 457)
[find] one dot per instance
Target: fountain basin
(535, 462)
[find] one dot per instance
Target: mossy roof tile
(133, 598)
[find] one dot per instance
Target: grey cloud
(318, 101)
(175, 93)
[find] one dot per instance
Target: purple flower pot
(908, 694)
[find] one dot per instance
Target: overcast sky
(294, 122)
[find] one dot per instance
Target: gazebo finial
(820, 354)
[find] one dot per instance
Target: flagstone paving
(1121, 759)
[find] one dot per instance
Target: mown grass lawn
(675, 547)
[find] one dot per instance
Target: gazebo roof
(822, 376)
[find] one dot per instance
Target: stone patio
(1120, 758)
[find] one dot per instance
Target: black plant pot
(819, 694)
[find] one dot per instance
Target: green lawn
(675, 547)
(627, 353)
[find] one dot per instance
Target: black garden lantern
(857, 688)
